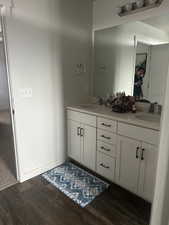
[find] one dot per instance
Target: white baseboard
(33, 173)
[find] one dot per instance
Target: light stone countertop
(129, 118)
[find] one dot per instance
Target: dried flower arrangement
(119, 103)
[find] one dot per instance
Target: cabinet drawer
(105, 166)
(107, 137)
(82, 117)
(139, 133)
(106, 148)
(106, 124)
(88, 119)
(73, 115)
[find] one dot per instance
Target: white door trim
(160, 215)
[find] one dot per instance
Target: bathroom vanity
(120, 147)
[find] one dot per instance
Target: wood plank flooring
(36, 202)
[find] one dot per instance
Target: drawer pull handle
(106, 125)
(105, 149)
(142, 154)
(137, 152)
(108, 138)
(106, 167)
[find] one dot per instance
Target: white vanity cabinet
(137, 160)
(148, 168)
(123, 153)
(88, 147)
(128, 164)
(106, 147)
(74, 140)
(82, 138)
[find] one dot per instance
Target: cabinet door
(128, 164)
(89, 147)
(148, 171)
(74, 140)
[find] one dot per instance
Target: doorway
(8, 172)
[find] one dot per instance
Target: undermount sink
(148, 117)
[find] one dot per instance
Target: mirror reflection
(131, 58)
(150, 72)
(140, 72)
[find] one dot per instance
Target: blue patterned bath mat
(76, 183)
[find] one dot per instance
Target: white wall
(115, 49)
(6, 3)
(142, 48)
(46, 39)
(4, 94)
(105, 13)
(158, 72)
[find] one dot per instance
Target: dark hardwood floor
(36, 202)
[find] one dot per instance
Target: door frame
(161, 198)
(10, 92)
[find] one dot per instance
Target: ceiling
(161, 22)
(105, 14)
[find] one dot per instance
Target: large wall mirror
(132, 58)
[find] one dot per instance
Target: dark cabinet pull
(78, 131)
(142, 154)
(137, 152)
(81, 132)
(106, 125)
(105, 137)
(106, 167)
(105, 149)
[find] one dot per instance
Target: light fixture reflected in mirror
(139, 3)
(137, 6)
